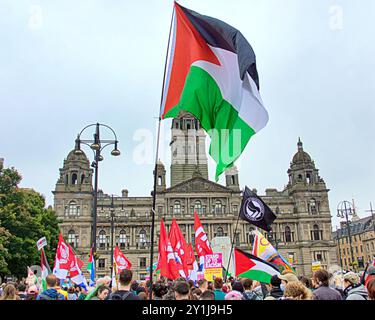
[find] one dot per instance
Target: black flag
(255, 211)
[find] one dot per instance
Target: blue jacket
(50, 294)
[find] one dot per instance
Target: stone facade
(362, 232)
(302, 231)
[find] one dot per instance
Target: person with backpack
(124, 292)
(354, 290)
(275, 292)
(51, 293)
(248, 293)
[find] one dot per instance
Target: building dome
(301, 156)
(74, 157)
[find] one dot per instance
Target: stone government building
(302, 229)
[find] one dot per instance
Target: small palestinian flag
(252, 267)
(212, 74)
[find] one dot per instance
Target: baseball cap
(288, 277)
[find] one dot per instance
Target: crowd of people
(286, 286)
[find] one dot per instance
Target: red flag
(63, 259)
(120, 260)
(179, 245)
(190, 258)
(202, 245)
(166, 262)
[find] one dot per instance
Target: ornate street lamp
(97, 145)
(344, 210)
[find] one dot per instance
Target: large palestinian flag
(212, 74)
(252, 267)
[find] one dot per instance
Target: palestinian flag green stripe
(229, 133)
(258, 275)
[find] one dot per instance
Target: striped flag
(212, 74)
(252, 267)
(45, 269)
(91, 269)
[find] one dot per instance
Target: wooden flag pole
(156, 163)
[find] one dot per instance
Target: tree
(24, 220)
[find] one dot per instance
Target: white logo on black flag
(255, 211)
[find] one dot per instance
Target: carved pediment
(197, 184)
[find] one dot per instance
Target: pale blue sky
(65, 64)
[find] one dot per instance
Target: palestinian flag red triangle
(211, 73)
(252, 267)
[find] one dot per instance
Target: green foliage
(24, 219)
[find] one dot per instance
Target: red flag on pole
(121, 261)
(179, 246)
(63, 259)
(202, 245)
(166, 262)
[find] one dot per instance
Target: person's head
(203, 284)
(191, 283)
(275, 281)
(140, 289)
(218, 283)
(238, 286)
(207, 295)
(134, 286)
(351, 279)
(125, 277)
(247, 283)
(159, 289)
(225, 288)
(51, 281)
(320, 278)
(287, 278)
(9, 292)
(181, 289)
(142, 295)
(195, 293)
(297, 291)
(103, 292)
(234, 295)
(371, 289)
(21, 287)
(306, 281)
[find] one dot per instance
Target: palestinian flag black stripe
(212, 74)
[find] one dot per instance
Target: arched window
(102, 239)
(82, 178)
(122, 239)
(72, 209)
(72, 238)
(312, 206)
(142, 238)
(218, 207)
(233, 180)
(198, 207)
(177, 207)
(159, 180)
(74, 178)
(300, 177)
(66, 179)
(316, 232)
(288, 234)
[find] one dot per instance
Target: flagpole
(156, 162)
(231, 250)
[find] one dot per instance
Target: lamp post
(272, 236)
(344, 209)
(338, 245)
(97, 145)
